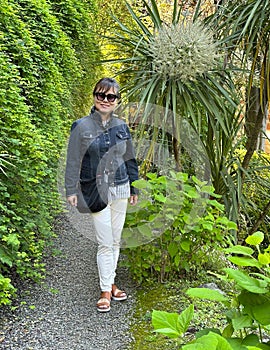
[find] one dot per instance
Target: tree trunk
(253, 126)
(176, 153)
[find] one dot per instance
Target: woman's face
(105, 102)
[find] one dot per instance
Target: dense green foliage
(248, 316)
(44, 67)
(77, 19)
(182, 222)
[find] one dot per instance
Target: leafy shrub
(184, 223)
(77, 19)
(7, 291)
(39, 72)
(248, 316)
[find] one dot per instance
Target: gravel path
(60, 314)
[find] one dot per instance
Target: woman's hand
(73, 200)
(133, 199)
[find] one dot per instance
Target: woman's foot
(117, 294)
(104, 302)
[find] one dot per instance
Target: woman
(100, 151)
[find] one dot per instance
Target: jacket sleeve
(131, 164)
(73, 161)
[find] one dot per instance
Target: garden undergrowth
(171, 297)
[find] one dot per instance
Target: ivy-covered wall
(47, 68)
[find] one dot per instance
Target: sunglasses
(101, 96)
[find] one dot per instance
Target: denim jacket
(105, 153)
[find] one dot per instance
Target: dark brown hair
(105, 84)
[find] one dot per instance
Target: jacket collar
(97, 117)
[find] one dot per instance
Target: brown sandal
(104, 302)
(117, 294)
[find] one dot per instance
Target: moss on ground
(170, 297)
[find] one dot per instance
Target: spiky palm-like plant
(245, 28)
(182, 52)
(178, 66)
(172, 64)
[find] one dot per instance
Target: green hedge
(76, 17)
(44, 76)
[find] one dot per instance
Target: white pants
(109, 224)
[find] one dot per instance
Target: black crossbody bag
(92, 197)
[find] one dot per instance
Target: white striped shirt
(119, 192)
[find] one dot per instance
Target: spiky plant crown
(183, 51)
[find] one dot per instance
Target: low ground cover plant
(248, 304)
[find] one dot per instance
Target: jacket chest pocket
(89, 141)
(121, 135)
(121, 141)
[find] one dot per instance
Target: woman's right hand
(72, 200)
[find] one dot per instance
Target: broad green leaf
(232, 313)
(236, 344)
(238, 249)
(177, 259)
(232, 225)
(251, 339)
(262, 313)
(241, 322)
(207, 226)
(140, 184)
(264, 259)
(243, 280)
(228, 331)
(173, 249)
(206, 331)
(208, 342)
(218, 205)
(256, 306)
(161, 180)
(185, 318)
(206, 293)
(160, 198)
(263, 346)
(185, 245)
(168, 332)
(255, 239)
(166, 323)
(183, 177)
(207, 189)
(198, 182)
(145, 230)
(144, 203)
(242, 261)
(267, 279)
(190, 191)
(211, 341)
